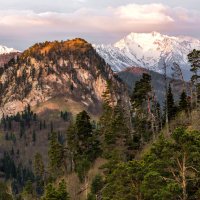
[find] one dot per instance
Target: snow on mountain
(148, 50)
(6, 50)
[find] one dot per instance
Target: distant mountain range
(6, 50)
(7, 54)
(148, 50)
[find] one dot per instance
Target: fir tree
(53, 193)
(38, 165)
(56, 154)
(183, 103)
(142, 107)
(171, 108)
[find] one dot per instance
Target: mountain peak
(6, 50)
(69, 69)
(147, 50)
(74, 45)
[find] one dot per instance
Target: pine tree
(53, 193)
(38, 165)
(171, 108)
(97, 184)
(142, 105)
(56, 154)
(183, 103)
(62, 191)
(169, 170)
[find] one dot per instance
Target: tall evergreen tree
(171, 108)
(142, 104)
(53, 193)
(56, 154)
(170, 170)
(83, 143)
(183, 102)
(38, 165)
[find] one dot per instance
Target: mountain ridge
(71, 69)
(148, 50)
(7, 50)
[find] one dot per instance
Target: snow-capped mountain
(148, 50)
(7, 54)
(6, 50)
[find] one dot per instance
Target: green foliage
(56, 154)
(124, 182)
(28, 188)
(113, 127)
(59, 193)
(8, 166)
(170, 170)
(62, 191)
(64, 115)
(4, 194)
(171, 108)
(146, 116)
(183, 103)
(141, 90)
(38, 165)
(83, 164)
(91, 197)
(83, 143)
(24, 119)
(97, 184)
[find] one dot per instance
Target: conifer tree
(53, 193)
(56, 154)
(183, 102)
(171, 108)
(83, 144)
(38, 165)
(142, 111)
(62, 191)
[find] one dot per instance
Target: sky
(25, 22)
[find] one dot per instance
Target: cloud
(27, 24)
(149, 13)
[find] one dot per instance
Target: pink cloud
(121, 19)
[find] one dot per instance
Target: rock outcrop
(70, 69)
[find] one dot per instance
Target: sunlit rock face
(70, 69)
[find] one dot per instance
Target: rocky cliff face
(70, 69)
